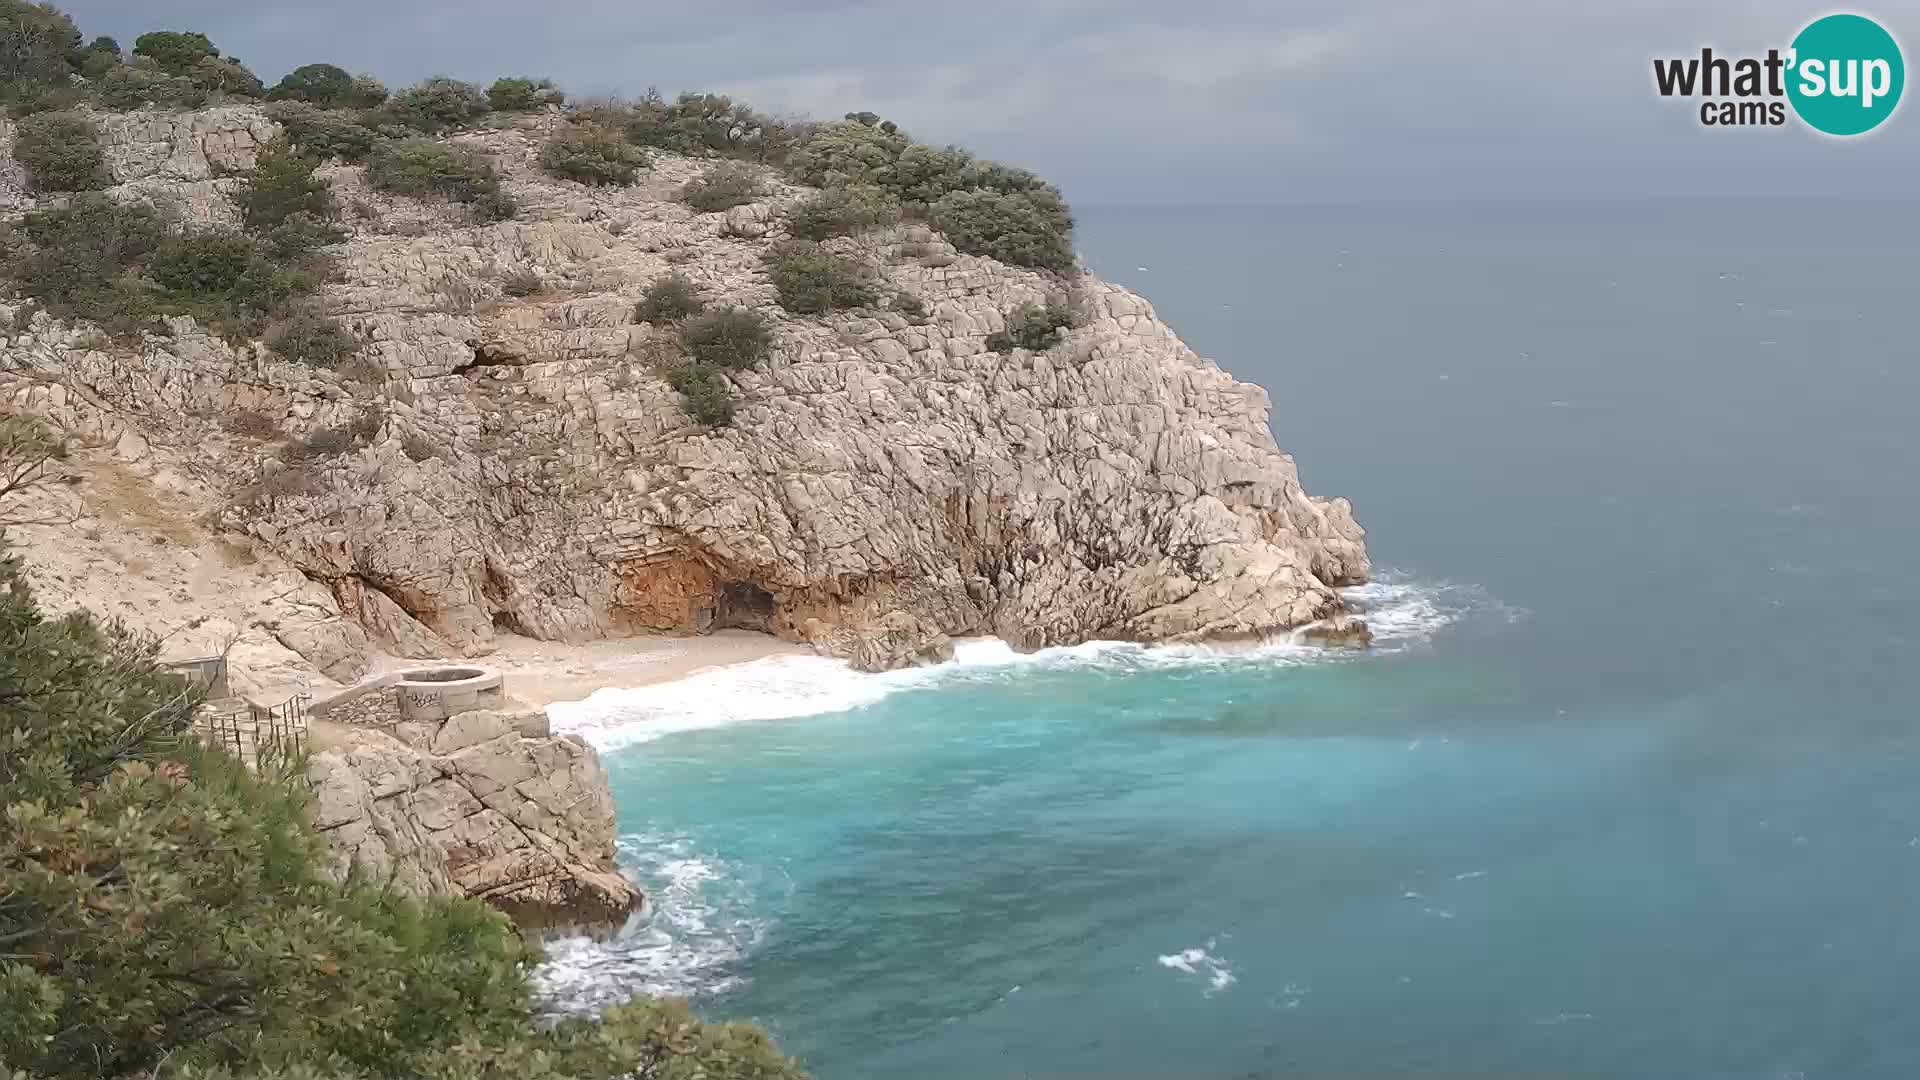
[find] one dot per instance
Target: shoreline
(543, 673)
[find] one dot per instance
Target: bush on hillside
(722, 187)
(285, 204)
(985, 208)
(521, 283)
(226, 76)
(98, 58)
(669, 299)
(129, 86)
(37, 44)
(1029, 228)
(61, 152)
(592, 154)
(173, 51)
(436, 105)
(1032, 326)
(734, 338)
(523, 95)
(705, 392)
(316, 84)
(368, 93)
(842, 212)
(708, 125)
(218, 275)
(80, 261)
(429, 167)
(325, 133)
(812, 280)
(310, 338)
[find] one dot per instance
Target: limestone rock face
(485, 805)
(888, 483)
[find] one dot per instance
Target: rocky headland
(505, 454)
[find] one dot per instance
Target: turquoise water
(1628, 789)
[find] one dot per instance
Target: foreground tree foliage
(161, 904)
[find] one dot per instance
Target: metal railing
(263, 736)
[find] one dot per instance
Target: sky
(1239, 102)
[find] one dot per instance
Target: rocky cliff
(888, 481)
(483, 804)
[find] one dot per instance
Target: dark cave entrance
(744, 606)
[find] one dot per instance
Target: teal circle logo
(1845, 74)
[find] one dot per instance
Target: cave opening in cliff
(744, 606)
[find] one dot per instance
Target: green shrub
(317, 84)
(37, 43)
(35, 98)
(722, 187)
(226, 76)
(1029, 228)
(734, 339)
(81, 261)
(848, 154)
(61, 152)
(429, 167)
(811, 280)
(842, 212)
(707, 394)
(223, 280)
(669, 299)
(310, 338)
(592, 154)
(285, 204)
(523, 95)
(175, 52)
(985, 208)
(1031, 327)
(130, 86)
(325, 133)
(202, 263)
(368, 93)
(520, 283)
(436, 105)
(495, 205)
(707, 124)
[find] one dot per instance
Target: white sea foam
(1401, 613)
(1200, 962)
(691, 939)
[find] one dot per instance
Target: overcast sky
(1132, 101)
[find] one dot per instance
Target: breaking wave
(1402, 614)
(696, 931)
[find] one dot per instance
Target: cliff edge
(504, 453)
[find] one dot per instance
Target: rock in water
(1341, 631)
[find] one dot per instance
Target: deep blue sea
(1630, 788)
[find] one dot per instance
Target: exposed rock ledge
(888, 482)
(485, 804)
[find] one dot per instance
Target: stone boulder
(485, 805)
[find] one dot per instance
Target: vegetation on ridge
(163, 905)
(870, 172)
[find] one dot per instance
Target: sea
(1628, 786)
